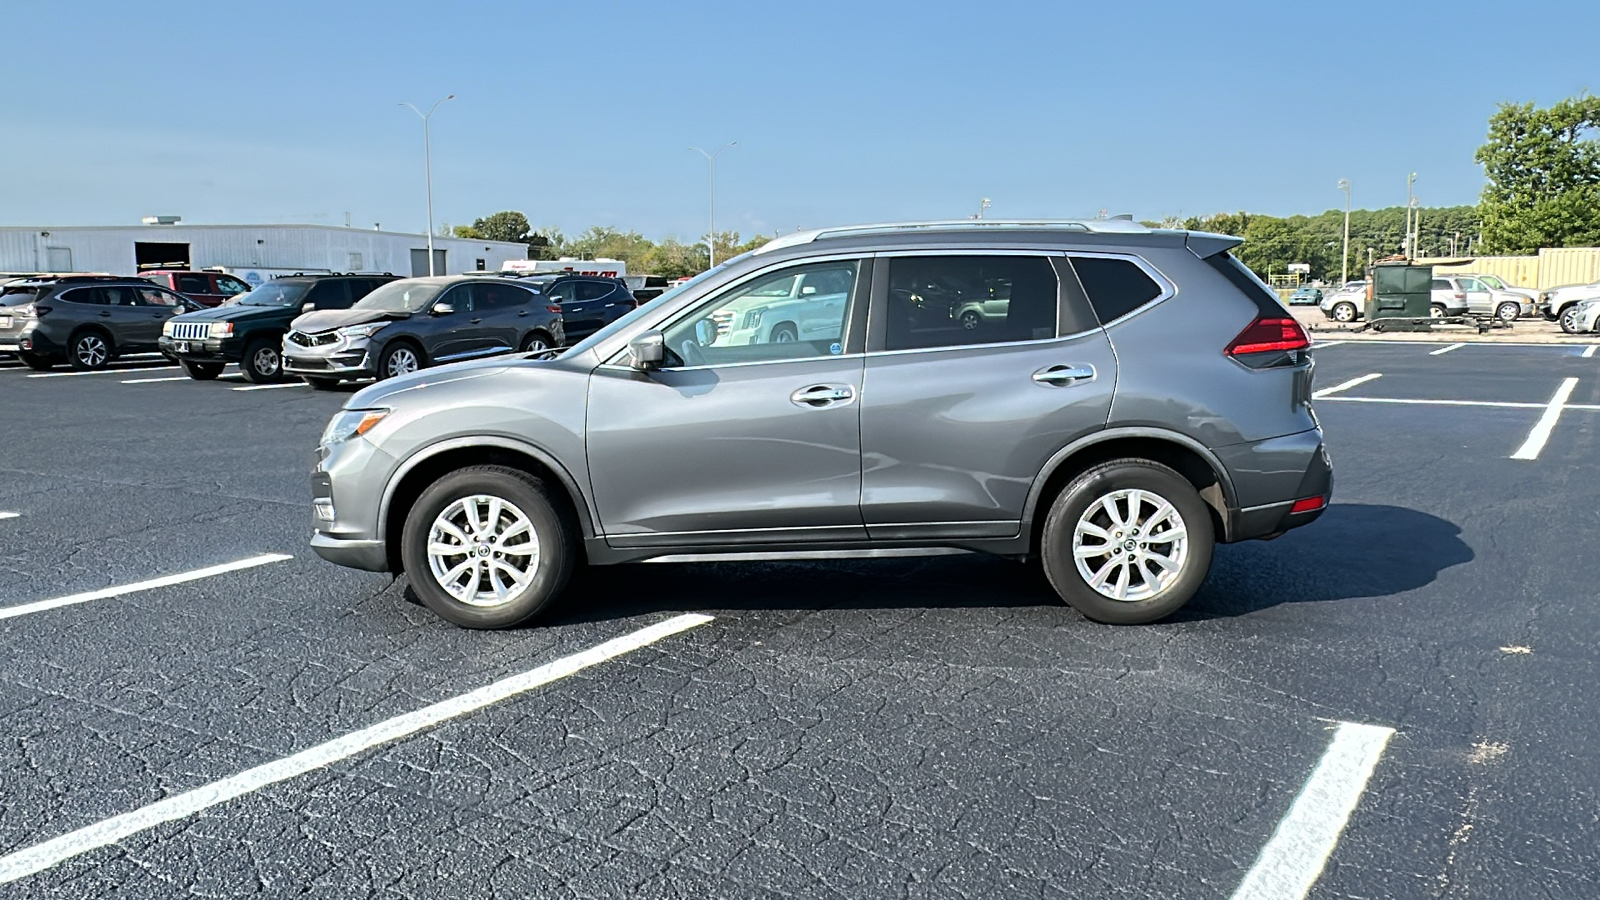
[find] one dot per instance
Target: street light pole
(427, 168)
(1344, 260)
(711, 205)
(1410, 250)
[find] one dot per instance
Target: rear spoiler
(1206, 245)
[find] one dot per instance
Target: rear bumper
(1270, 477)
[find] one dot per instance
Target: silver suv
(1128, 398)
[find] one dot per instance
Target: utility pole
(1410, 251)
(1344, 259)
(983, 205)
(427, 168)
(711, 205)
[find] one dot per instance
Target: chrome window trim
(1168, 288)
(992, 345)
(616, 367)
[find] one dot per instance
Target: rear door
(580, 301)
(133, 326)
(503, 308)
(960, 414)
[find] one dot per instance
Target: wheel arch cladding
(1196, 469)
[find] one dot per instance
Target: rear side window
(951, 301)
(118, 296)
(593, 290)
(1240, 276)
(1439, 284)
(498, 296)
(194, 284)
(333, 293)
(1115, 287)
(84, 295)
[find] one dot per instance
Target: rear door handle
(1061, 376)
(105, 315)
(821, 396)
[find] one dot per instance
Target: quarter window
(794, 313)
(1115, 287)
(951, 301)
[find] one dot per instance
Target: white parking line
(1541, 430)
(6, 515)
(1327, 344)
(11, 612)
(268, 387)
(154, 380)
(1292, 860)
(1443, 350)
(1328, 392)
(1588, 352)
(42, 856)
(123, 371)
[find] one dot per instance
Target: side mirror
(307, 307)
(647, 351)
(442, 309)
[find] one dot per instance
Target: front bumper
(223, 350)
(347, 485)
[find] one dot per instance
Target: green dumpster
(1400, 290)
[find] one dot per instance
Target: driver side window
(794, 313)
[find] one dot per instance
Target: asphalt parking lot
(190, 699)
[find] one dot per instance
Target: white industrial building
(264, 250)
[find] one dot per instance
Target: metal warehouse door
(419, 263)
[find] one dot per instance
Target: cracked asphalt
(937, 727)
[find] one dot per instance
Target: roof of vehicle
(76, 279)
(318, 276)
(1125, 229)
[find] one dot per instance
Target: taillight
(1269, 334)
(1461, 295)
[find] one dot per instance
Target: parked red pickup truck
(205, 288)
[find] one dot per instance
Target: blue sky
(582, 113)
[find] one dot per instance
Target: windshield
(633, 315)
(275, 293)
(401, 296)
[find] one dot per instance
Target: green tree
(1543, 167)
(503, 226)
(468, 232)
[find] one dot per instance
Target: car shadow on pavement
(1354, 550)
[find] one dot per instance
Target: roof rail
(1082, 226)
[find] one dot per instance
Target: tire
(536, 342)
(36, 363)
(523, 499)
(321, 384)
(89, 351)
(1343, 312)
(1086, 503)
(1569, 319)
(785, 334)
(971, 320)
(262, 361)
(400, 358)
(1508, 311)
(1438, 311)
(200, 371)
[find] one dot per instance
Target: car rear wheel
(488, 547)
(36, 363)
(1569, 319)
(1508, 311)
(1438, 311)
(322, 384)
(1344, 312)
(1127, 542)
(535, 343)
(262, 362)
(201, 371)
(399, 359)
(90, 350)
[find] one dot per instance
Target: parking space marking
(11, 612)
(154, 380)
(1292, 860)
(123, 371)
(39, 857)
(1327, 344)
(1328, 392)
(1547, 422)
(268, 387)
(1443, 350)
(1588, 352)
(6, 515)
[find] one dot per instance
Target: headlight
(752, 319)
(221, 329)
(167, 329)
(351, 423)
(350, 332)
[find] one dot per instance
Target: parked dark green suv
(250, 330)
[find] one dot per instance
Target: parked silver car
(1347, 303)
(1141, 397)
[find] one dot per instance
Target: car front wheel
(200, 371)
(1127, 542)
(1508, 312)
(488, 547)
(262, 363)
(399, 359)
(1344, 312)
(1569, 319)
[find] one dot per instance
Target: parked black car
(85, 320)
(250, 331)
(588, 302)
(414, 323)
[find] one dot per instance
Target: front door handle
(105, 315)
(821, 396)
(1061, 376)
(474, 321)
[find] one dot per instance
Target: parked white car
(804, 307)
(1484, 299)
(1345, 304)
(1528, 297)
(1560, 303)
(1585, 315)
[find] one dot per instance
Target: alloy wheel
(483, 550)
(1130, 545)
(265, 361)
(91, 350)
(402, 361)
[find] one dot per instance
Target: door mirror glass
(443, 309)
(646, 351)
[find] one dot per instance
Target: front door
(960, 413)
(460, 334)
(731, 444)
